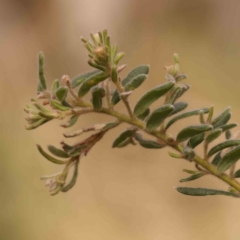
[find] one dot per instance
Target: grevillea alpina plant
(67, 99)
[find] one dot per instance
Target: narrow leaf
(57, 152)
(192, 131)
(61, 93)
(220, 116)
(213, 135)
(48, 157)
(178, 107)
(151, 96)
(228, 126)
(223, 145)
(37, 124)
(185, 115)
(203, 192)
(124, 143)
(71, 122)
(196, 140)
(42, 81)
(81, 78)
(143, 69)
(73, 181)
(216, 159)
(122, 137)
(173, 95)
(109, 126)
(55, 86)
(228, 134)
(223, 120)
(97, 94)
(135, 82)
(174, 155)
(229, 159)
(143, 115)
(59, 106)
(158, 116)
(147, 143)
(192, 177)
(181, 77)
(91, 82)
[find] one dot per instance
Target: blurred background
(127, 193)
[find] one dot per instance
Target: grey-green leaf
(91, 82)
(42, 81)
(228, 126)
(97, 95)
(143, 115)
(48, 157)
(223, 120)
(216, 159)
(73, 181)
(158, 116)
(81, 78)
(196, 140)
(203, 192)
(122, 137)
(178, 107)
(181, 77)
(55, 86)
(61, 93)
(57, 152)
(147, 143)
(185, 115)
(151, 96)
(143, 69)
(213, 135)
(70, 122)
(135, 82)
(229, 159)
(191, 131)
(173, 95)
(223, 145)
(59, 106)
(192, 177)
(220, 116)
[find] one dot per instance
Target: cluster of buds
(102, 54)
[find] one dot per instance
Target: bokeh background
(120, 194)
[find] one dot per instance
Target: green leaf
(229, 159)
(203, 192)
(216, 159)
(223, 120)
(196, 140)
(143, 69)
(181, 77)
(61, 93)
(220, 116)
(237, 174)
(71, 122)
(97, 94)
(192, 131)
(228, 126)
(228, 134)
(174, 155)
(37, 124)
(184, 89)
(213, 135)
(178, 107)
(223, 145)
(91, 82)
(59, 106)
(81, 78)
(147, 143)
(125, 143)
(122, 137)
(185, 115)
(151, 96)
(55, 86)
(108, 126)
(158, 116)
(192, 177)
(57, 152)
(73, 181)
(42, 81)
(48, 157)
(143, 115)
(135, 82)
(173, 95)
